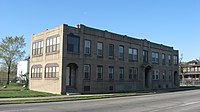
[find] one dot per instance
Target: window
(121, 73)
(145, 56)
(175, 60)
(37, 48)
(100, 49)
(52, 70)
(155, 57)
(133, 73)
(87, 47)
(169, 60)
(155, 74)
(133, 54)
(87, 71)
(36, 71)
(73, 44)
(99, 72)
(163, 58)
(111, 88)
(53, 44)
(111, 72)
(163, 74)
(86, 88)
(170, 74)
(111, 50)
(121, 52)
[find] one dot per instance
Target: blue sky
(170, 22)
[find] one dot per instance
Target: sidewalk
(49, 97)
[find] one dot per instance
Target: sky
(170, 22)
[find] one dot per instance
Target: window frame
(111, 72)
(87, 48)
(121, 53)
(76, 48)
(36, 71)
(37, 48)
(133, 75)
(111, 53)
(51, 71)
(163, 59)
(100, 49)
(133, 54)
(155, 75)
(100, 67)
(145, 56)
(87, 76)
(175, 60)
(155, 57)
(121, 73)
(52, 44)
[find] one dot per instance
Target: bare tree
(11, 51)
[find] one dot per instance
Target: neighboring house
(23, 70)
(191, 71)
(87, 60)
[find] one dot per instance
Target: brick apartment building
(87, 60)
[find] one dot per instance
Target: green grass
(12, 87)
(15, 90)
(23, 94)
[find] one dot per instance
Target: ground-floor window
(99, 72)
(52, 70)
(155, 74)
(121, 73)
(87, 71)
(111, 72)
(133, 73)
(36, 71)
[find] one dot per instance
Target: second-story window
(111, 51)
(87, 47)
(37, 48)
(145, 56)
(52, 44)
(155, 57)
(121, 52)
(100, 49)
(73, 44)
(169, 59)
(133, 54)
(175, 60)
(163, 58)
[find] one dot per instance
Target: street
(184, 101)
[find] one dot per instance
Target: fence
(190, 83)
(4, 79)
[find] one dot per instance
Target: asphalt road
(185, 101)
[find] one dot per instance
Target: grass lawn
(15, 90)
(23, 94)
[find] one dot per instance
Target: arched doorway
(71, 72)
(176, 78)
(147, 76)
